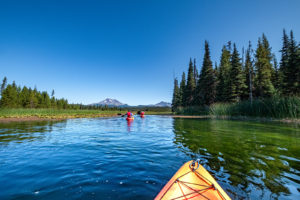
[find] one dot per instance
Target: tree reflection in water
(250, 159)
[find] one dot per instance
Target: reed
(193, 110)
(275, 107)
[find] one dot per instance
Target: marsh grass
(275, 107)
(65, 113)
(54, 113)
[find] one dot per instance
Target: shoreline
(241, 118)
(51, 118)
(58, 118)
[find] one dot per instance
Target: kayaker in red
(129, 114)
(142, 114)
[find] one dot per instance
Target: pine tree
(176, 96)
(19, 100)
(263, 83)
(53, 102)
(216, 75)
(284, 63)
(46, 100)
(14, 96)
(249, 73)
(3, 85)
(33, 98)
(25, 97)
(276, 76)
(196, 75)
(182, 90)
(206, 87)
(190, 86)
(223, 76)
(292, 73)
(237, 79)
(9, 97)
(298, 71)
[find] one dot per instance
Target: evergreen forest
(255, 76)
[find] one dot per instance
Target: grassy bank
(54, 113)
(276, 107)
(63, 114)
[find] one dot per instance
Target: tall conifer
(196, 75)
(3, 85)
(223, 75)
(190, 86)
(284, 62)
(206, 87)
(249, 73)
(176, 95)
(237, 79)
(298, 71)
(182, 90)
(263, 67)
(292, 68)
(276, 79)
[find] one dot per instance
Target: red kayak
(130, 118)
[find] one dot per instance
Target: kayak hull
(130, 118)
(194, 185)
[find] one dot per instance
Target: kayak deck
(192, 183)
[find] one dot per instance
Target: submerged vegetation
(255, 86)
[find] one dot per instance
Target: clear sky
(128, 50)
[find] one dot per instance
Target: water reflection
(20, 132)
(98, 159)
(129, 124)
(249, 159)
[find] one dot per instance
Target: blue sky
(128, 50)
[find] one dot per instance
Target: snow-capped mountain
(163, 104)
(110, 102)
(160, 104)
(115, 103)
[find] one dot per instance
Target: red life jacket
(128, 114)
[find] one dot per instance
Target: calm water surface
(111, 159)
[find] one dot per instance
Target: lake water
(113, 159)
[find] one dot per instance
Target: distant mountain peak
(115, 103)
(163, 104)
(109, 102)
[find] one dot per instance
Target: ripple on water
(111, 159)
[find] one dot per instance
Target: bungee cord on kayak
(192, 181)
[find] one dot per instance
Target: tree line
(13, 96)
(238, 78)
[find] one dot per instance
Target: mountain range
(115, 103)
